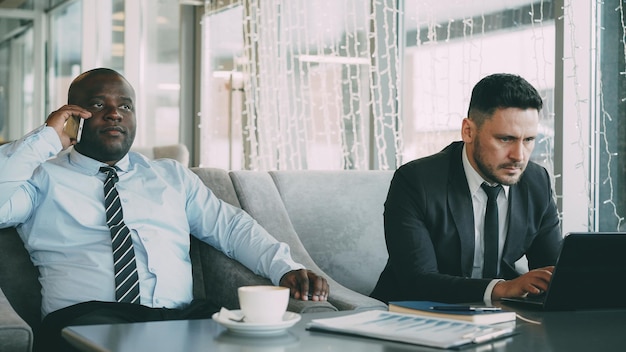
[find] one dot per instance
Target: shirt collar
(91, 166)
(474, 180)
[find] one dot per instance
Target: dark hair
(501, 90)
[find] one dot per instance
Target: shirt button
(157, 301)
(152, 269)
(124, 200)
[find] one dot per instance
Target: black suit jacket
(429, 230)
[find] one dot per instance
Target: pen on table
(465, 308)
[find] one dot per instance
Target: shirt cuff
(489, 290)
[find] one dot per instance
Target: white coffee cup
(263, 304)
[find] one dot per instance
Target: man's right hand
(533, 282)
(57, 120)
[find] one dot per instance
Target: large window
(351, 84)
(368, 85)
(321, 87)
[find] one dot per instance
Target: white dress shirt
(56, 203)
(479, 202)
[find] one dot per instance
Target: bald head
(84, 78)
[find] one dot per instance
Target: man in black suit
(435, 209)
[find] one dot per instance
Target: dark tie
(126, 278)
(491, 233)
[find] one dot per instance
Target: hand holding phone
(74, 128)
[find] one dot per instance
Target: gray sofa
(331, 219)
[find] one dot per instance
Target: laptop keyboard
(535, 298)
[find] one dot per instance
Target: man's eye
(97, 105)
(126, 107)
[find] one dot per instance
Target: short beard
(489, 173)
(103, 153)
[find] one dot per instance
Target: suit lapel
(518, 225)
(460, 203)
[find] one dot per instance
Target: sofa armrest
(220, 287)
(15, 334)
(346, 299)
(220, 277)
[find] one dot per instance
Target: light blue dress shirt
(56, 202)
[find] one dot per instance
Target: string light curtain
(322, 82)
(321, 85)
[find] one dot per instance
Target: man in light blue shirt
(54, 196)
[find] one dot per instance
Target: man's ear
(468, 130)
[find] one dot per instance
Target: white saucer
(258, 329)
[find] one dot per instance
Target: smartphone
(74, 127)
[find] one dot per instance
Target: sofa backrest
(259, 196)
(221, 276)
(338, 216)
(219, 183)
(178, 152)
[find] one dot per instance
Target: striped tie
(126, 278)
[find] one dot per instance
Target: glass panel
(17, 80)
(22, 52)
(611, 118)
(114, 58)
(163, 73)
(221, 143)
(151, 61)
(65, 54)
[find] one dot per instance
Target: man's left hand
(305, 284)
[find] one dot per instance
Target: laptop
(590, 273)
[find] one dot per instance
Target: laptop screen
(590, 272)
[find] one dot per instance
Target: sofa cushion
(19, 278)
(338, 216)
(219, 275)
(15, 334)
